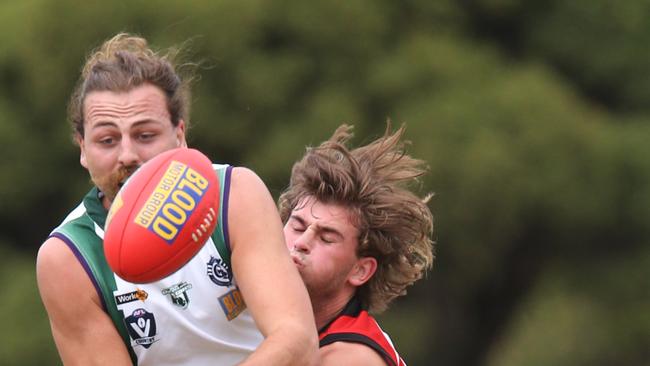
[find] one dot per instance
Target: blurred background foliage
(533, 117)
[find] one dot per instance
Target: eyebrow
(134, 125)
(297, 218)
(101, 124)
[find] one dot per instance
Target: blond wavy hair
(373, 181)
(125, 62)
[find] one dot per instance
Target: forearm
(269, 282)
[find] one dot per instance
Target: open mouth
(124, 175)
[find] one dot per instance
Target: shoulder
(247, 192)
(52, 258)
(250, 198)
(247, 189)
(245, 178)
(55, 260)
(347, 353)
(52, 255)
(358, 327)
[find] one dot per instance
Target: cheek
(94, 151)
(338, 260)
(325, 262)
(144, 152)
(98, 163)
(147, 154)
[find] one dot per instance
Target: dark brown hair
(373, 182)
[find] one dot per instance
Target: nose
(303, 242)
(128, 155)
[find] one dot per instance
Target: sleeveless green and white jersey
(196, 316)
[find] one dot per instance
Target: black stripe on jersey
(356, 338)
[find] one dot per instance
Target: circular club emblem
(219, 271)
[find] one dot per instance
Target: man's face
(323, 242)
(124, 130)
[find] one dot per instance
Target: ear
(362, 271)
(180, 134)
(82, 150)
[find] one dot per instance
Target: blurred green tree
(531, 115)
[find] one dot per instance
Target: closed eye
(297, 224)
(299, 229)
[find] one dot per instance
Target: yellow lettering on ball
(164, 228)
(174, 214)
(160, 194)
(172, 201)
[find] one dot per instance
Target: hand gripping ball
(162, 216)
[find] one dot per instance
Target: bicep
(83, 332)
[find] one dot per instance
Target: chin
(302, 273)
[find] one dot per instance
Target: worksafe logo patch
(131, 296)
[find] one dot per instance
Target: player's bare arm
(269, 281)
(83, 332)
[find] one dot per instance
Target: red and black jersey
(354, 324)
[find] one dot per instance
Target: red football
(162, 216)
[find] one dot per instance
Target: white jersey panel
(198, 308)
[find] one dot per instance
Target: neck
(326, 309)
(103, 199)
(106, 203)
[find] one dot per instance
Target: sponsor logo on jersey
(172, 201)
(141, 325)
(178, 294)
(232, 304)
(219, 271)
(131, 296)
